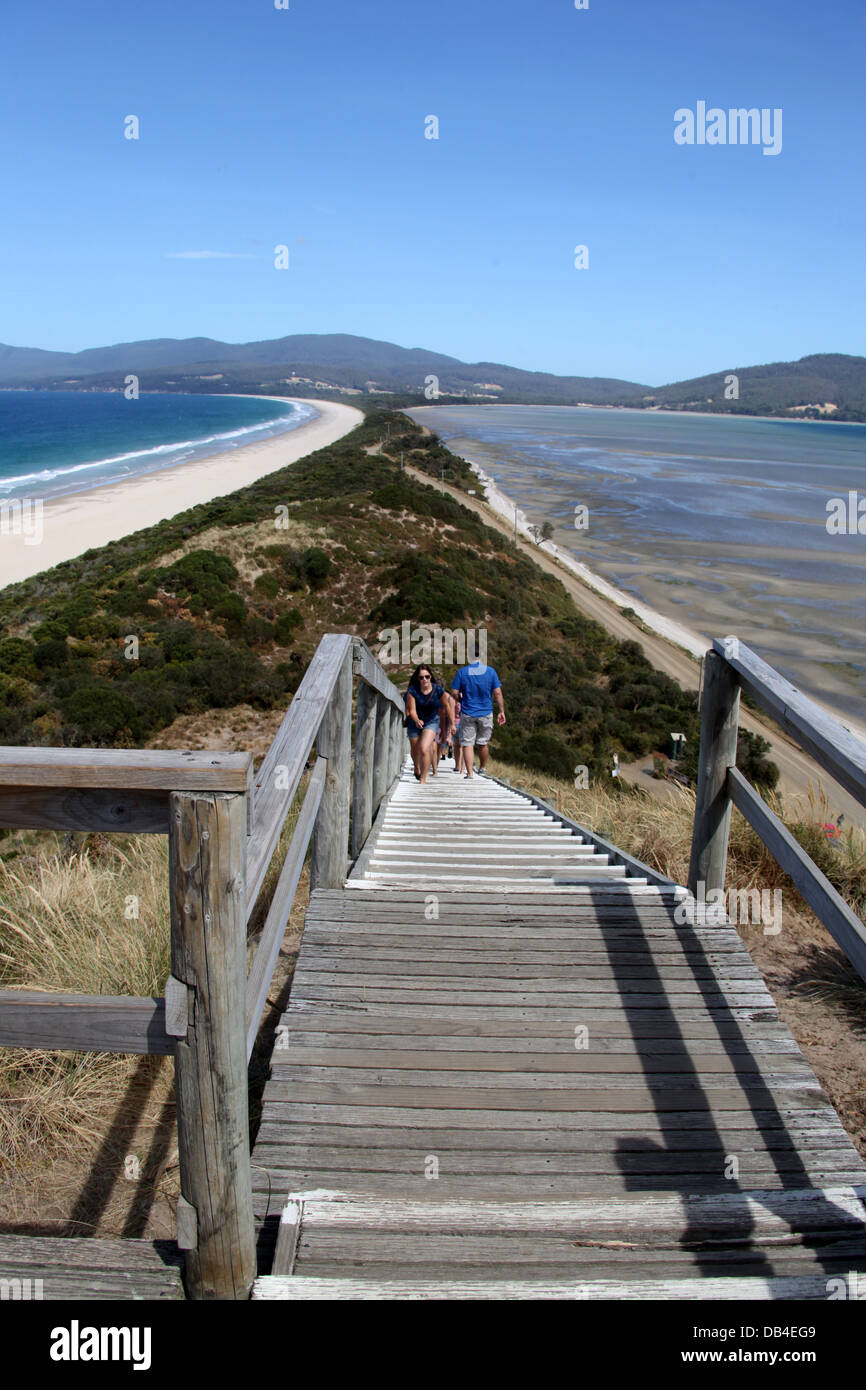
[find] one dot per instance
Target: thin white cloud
(209, 256)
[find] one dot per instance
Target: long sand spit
(87, 520)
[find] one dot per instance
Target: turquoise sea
(56, 442)
(719, 522)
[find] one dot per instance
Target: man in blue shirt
(477, 686)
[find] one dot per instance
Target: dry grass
(68, 925)
(660, 832)
(71, 1123)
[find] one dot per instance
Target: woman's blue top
(427, 706)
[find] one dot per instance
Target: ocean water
(716, 521)
(57, 442)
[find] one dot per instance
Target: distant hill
(806, 387)
(830, 385)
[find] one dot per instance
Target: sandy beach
(85, 520)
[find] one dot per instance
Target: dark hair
(413, 679)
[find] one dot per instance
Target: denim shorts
(414, 732)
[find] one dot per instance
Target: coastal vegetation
(224, 604)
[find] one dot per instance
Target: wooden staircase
(507, 1071)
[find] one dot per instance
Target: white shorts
(475, 729)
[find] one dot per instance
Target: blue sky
(305, 127)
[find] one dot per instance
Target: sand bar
(86, 520)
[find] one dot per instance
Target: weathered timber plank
(829, 741)
(650, 1020)
(369, 669)
(277, 779)
(732, 1052)
(753, 1166)
(501, 1187)
(375, 990)
(317, 1130)
(834, 1211)
(84, 1023)
(445, 1286)
(535, 1063)
(49, 808)
(681, 1077)
(782, 1118)
(78, 1252)
(315, 966)
(626, 1099)
(773, 1114)
(336, 947)
(723, 1027)
(362, 772)
(125, 769)
(330, 844)
(208, 949)
(262, 968)
(600, 1265)
(830, 907)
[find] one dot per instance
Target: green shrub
(232, 610)
(288, 623)
(49, 655)
(100, 715)
(268, 585)
(16, 658)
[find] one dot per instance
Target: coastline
(689, 641)
(86, 520)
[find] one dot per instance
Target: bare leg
(483, 754)
(415, 746)
(468, 758)
(426, 754)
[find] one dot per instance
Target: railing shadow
(674, 1156)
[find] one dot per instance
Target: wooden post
(396, 743)
(207, 835)
(381, 747)
(334, 742)
(718, 751)
(362, 778)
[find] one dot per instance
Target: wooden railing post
(396, 743)
(718, 751)
(362, 776)
(206, 835)
(381, 750)
(334, 742)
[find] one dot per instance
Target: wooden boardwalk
(507, 1070)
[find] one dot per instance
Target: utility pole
(443, 477)
(515, 523)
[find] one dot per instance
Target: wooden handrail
(830, 907)
(84, 1022)
(728, 666)
(268, 949)
(223, 826)
(830, 742)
